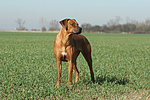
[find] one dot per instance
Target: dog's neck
(66, 37)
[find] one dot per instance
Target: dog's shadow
(111, 79)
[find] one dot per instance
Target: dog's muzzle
(78, 31)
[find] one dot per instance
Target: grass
(121, 64)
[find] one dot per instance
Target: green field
(121, 64)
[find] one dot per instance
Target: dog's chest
(64, 56)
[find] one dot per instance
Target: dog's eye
(73, 24)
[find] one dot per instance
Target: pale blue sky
(89, 11)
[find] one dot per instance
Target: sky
(95, 12)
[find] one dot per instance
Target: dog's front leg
(70, 70)
(59, 68)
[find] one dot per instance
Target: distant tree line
(53, 25)
(114, 26)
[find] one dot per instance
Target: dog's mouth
(78, 31)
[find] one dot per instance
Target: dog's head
(71, 26)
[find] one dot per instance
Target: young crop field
(121, 65)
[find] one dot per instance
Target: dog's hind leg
(87, 56)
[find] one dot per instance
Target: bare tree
(147, 24)
(54, 25)
(86, 27)
(111, 24)
(127, 19)
(114, 24)
(21, 23)
(117, 20)
(43, 23)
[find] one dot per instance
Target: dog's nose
(80, 29)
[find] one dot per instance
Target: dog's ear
(64, 23)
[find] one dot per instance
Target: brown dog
(67, 46)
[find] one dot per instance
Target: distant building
(20, 28)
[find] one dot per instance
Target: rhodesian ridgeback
(67, 46)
